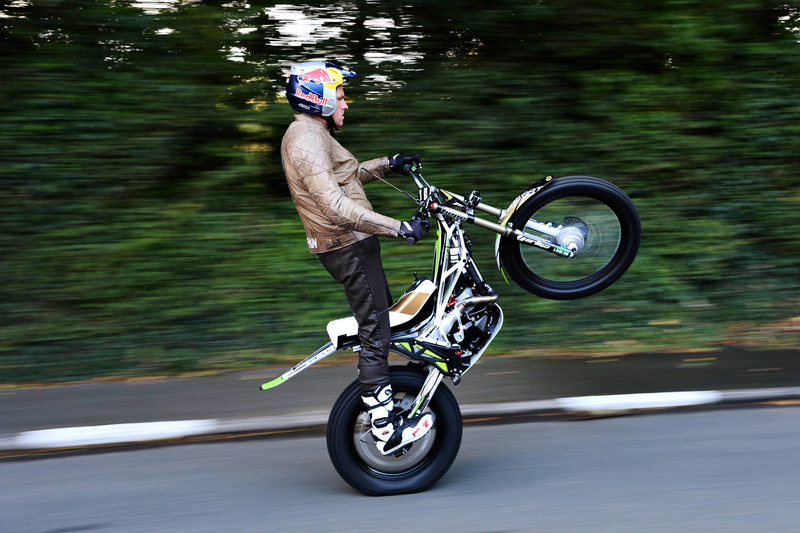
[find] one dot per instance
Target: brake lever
(408, 167)
(420, 214)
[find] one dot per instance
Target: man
(327, 186)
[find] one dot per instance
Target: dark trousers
(359, 269)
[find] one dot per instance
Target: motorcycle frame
(427, 342)
(451, 261)
(423, 344)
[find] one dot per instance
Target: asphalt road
(719, 470)
(494, 379)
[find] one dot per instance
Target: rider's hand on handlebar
(398, 162)
(413, 229)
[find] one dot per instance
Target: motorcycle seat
(412, 308)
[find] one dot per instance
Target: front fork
(426, 392)
(567, 242)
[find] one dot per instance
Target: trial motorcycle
(562, 238)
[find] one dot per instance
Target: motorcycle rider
(327, 186)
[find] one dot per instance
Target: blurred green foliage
(145, 225)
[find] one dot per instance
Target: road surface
(717, 470)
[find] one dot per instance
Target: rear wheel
(603, 220)
(356, 457)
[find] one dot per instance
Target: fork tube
(504, 231)
(500, 213)
(497, 228)
(426, 393)
(470, 218)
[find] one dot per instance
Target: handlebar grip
(411, 240)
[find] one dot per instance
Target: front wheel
(356, 457)
(602, 219)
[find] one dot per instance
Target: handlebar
(429, 201)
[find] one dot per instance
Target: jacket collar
(308, 119)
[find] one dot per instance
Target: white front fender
(507, 213)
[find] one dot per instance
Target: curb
(72, 438)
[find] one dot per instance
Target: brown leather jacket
(327, 186)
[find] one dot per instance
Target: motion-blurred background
(146, 228)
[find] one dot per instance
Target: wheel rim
(391, 466)
(599, 251)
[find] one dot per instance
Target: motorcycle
(561, 239)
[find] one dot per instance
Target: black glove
(413, 229)
(398, 162)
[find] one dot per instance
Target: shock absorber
(476, 278)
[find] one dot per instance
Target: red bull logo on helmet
(319, 75)
(311, 97)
